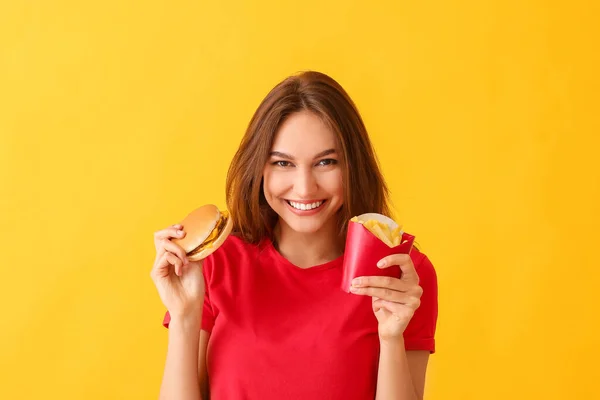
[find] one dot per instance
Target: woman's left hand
(394, 300)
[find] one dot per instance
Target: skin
(305, 167)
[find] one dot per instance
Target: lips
(304, 206)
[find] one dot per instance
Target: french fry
(383, 231)
(381, 235)
(386, 230)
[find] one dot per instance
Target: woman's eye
(328, 161)
(282, 163)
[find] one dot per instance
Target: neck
(308, 249)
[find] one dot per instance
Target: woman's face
(303, 176)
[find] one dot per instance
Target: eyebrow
(289, 157)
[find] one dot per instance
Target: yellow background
(118, 117)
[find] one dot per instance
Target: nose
(305, 183)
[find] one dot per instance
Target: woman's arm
(401, 374)
(202, 368)
(396, 303)
(181, 380)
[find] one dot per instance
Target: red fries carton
(364, 248)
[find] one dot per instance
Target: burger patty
(213, 235)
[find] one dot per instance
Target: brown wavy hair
(364, 187)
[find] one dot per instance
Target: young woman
(264, 316)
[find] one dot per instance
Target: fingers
(169, 256)
(409, 274)
(174, 231)
(175, 262)
(162, 241)
(175, 249)
(170, 260)
(411, 298)
(162, 267)
(382, 282)
(394, 308)
(166, 263)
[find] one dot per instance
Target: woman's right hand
(180, 282)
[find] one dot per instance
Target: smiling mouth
(306, 206)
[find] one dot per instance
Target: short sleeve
(420, 332)
(208, 315)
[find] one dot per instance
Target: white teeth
(305, 207)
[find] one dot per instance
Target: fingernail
(353, 289)
(381, 263)
(180, 233)
(356, 282)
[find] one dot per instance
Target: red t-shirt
(282, 332)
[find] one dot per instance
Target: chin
(308, 225)
(304, 227)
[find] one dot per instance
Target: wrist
(188, 320)
(391, 343)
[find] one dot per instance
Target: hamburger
(206, 228)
